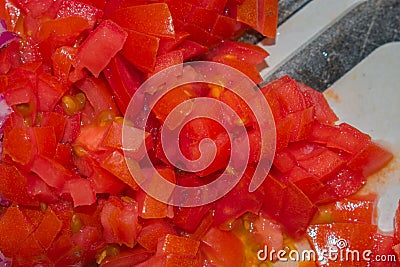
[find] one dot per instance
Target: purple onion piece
(3, 25)
(4, 203)
(5, 111)
(6, 37)
(4, 261)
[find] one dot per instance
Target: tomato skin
(136, 18)
(14, 186)
(106, 40)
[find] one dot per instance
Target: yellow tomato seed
(25, 109)
(76, 223)
(106, 117)
(79, 151)
(69, 105)
(80, 100)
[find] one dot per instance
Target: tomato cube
(99, 47)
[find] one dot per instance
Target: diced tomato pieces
(349, 139)
(45, 141)
(99, 95)
(115, 164)
(323, 113)
(81, 191)
(56, 121)
(54, 174)
(150, 234)
(297, 211)
(106, 40)
(72, 128)
(322, 165)
(14, 230)
(18, 144)
(48, 229)
(124, 81)
(91, 137)
(120, 221)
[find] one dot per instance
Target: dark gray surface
(344, 44)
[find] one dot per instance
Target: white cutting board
(368, 97)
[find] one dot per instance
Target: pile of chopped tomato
(71, 200)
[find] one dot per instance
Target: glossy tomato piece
(80, 191)
(267, 19)
(45, 141)
(340, 237)
(168, 44)
(137, 18)
(62, 62)
(120, 221)
(72, 128)
(107, 39)
(323, 112)
(99, 95)
(151, 233)
(124, 80)
(145, 47)
(349, 139)
(54, 174)
(18, 144)
(174, 244)
(56, 121)
(191, 50)
(371, 159)
(115, 164)
(82, 9)
(349, 210)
